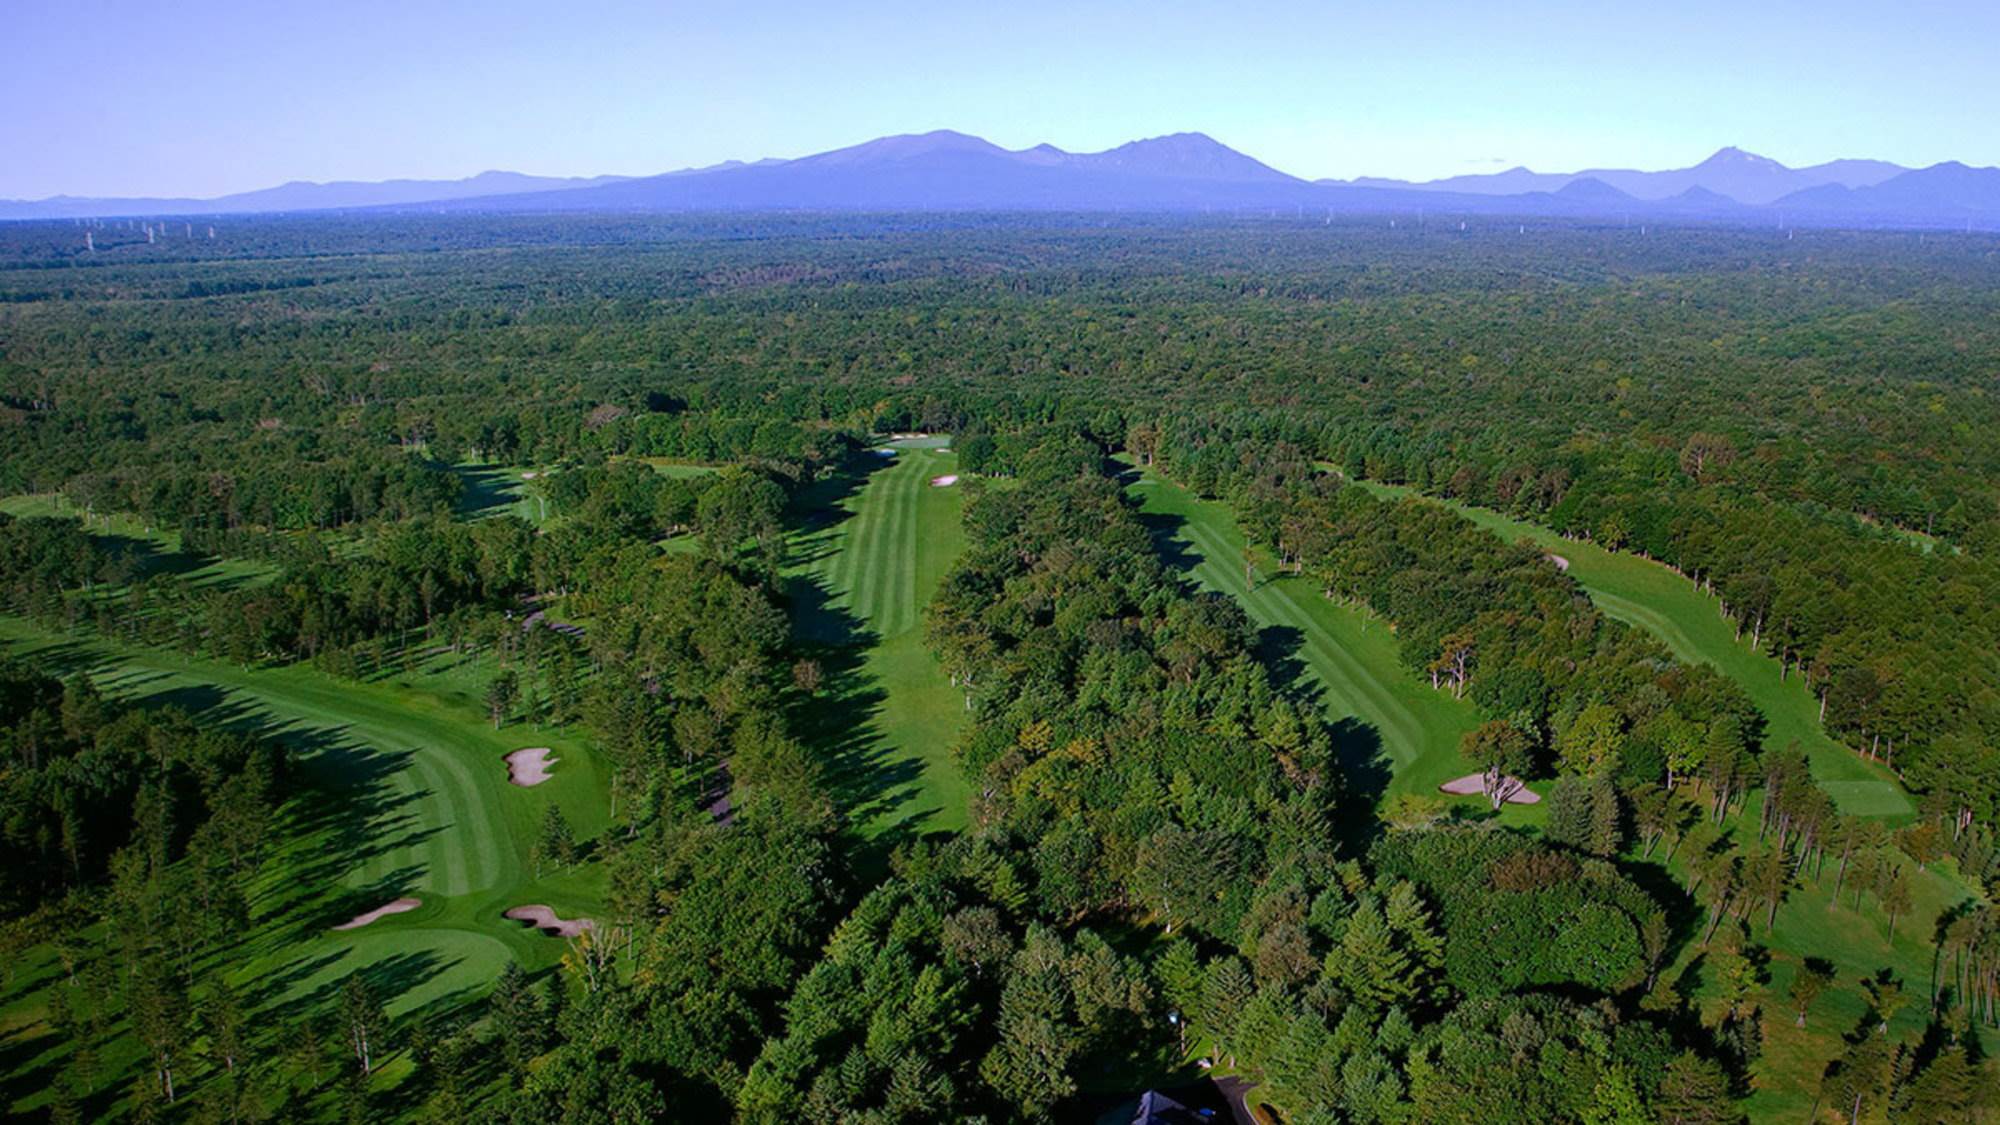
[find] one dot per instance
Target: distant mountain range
(1742, 177)
(949, 171)
(302, 195)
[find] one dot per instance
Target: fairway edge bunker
(529, 766)
(544, 918)
(1474, 785)
(397, 906)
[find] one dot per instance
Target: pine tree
(364, 1021)
(226, 1021)
(517, 1019)
(1370, 962)
(1228, 989)
(555, 842)
(1570, 819)
(1814, 976)
(1857, 1083)
(1945, 1092)
(1885, 998)
(500, 695)
(1606, 818)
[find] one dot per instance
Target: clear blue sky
(200, 97)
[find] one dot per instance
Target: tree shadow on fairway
(1279, 647)
(1169, 544)
(1364, 764)
(395, 975)
(869, 779)
(343, 813)
(1365, 770)
(146, 557)
(817, 511)
(487, 490)
(21, 1061)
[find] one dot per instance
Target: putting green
(870, 555)
(1351, 656)
(1650, 596)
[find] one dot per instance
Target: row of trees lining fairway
(1112, 765)
(872, 549)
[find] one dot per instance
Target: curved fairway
(862, 570)
(1650, 596)
(408, 795)
(1351, 657)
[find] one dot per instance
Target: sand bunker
(1561, 563)
(531, 475)
(945, 481)
(399, 906)
(544, 919)
(1474, 785)
(530, 766)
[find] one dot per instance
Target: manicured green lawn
(1349, 656)
(497, 490)
(1857, 941)
(870, 551)
(408, 795)
(1652, 597)
(158, 549)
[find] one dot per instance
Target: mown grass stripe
(905, 603)
(1348, 684)
(1669, 606)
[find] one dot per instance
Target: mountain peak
(905, 146)
(1188, 155)
(1731, 155)
(1592, 189)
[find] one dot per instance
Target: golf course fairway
(1350, 656)
(871, 550)
(1652, 597)
(400, 795)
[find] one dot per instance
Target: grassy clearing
(1810, 924)
(497, 490)
(1379, 711)
(871, 550)
(157, 550)
(409, 796)
(1652, 597)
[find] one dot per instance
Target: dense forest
(305, 518)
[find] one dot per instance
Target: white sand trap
(544, 919)
(399, 906)
(945, 481)
(1561, 563)
(1474, 785)
(530, 766)
(531, 475)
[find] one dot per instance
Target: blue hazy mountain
(302, 195)
(950, 171)
(1941, 195)
(946, 170)
(1744, 177)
